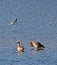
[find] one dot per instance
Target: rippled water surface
(37, 20)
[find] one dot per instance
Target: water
(37, 20)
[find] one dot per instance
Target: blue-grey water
(37, 21)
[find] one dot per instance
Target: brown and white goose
(20, 48)
(37, 45)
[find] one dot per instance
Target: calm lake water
(37, 21)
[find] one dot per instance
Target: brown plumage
(37, 45)
(20, 48)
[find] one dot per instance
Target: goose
(37, 45)
(20, 48)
